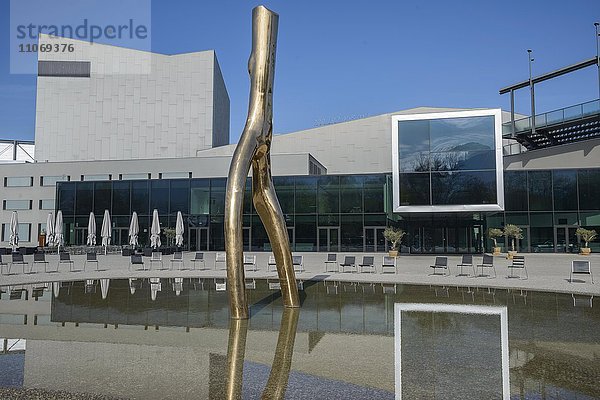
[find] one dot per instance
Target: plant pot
(393, 253)
(511, 254)
(585, 251)
(496, 251)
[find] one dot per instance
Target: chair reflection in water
(282, 361)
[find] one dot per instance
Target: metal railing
(559, 116)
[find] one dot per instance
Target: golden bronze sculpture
(282, 361)
(254, 149)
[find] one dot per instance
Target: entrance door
(374, 242)
(81, 236)
(328, 239)
(565, 239)
(198, 239)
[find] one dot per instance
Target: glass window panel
(566, 218)
(284, 187)
(351, 196)
(351, 226)
(590, 219)
(102, 197)
(180, 194)
(51, 180)
(328, 194)
(462, 160)
(200, 196)
(96, 177)
(217, 235)
(462, 134)
(517, 218)
(565, 189)
(375, 219)
(589, 189)
(17, 204)
(131, 177)
(540, 219)
(248, 202)
(329, 220)
(476, 187)
(374, 193)
(413, 146)
(159, 196)
(65, 193)
(120, 198)
(24, 232)
(217, 196)
(18, 181)
(306, 195)
(414, 189)
(515, 190)
(542, 239)
(174, 175)
(540, 190)
(306, 232)
(47, 204)
(85, 198)
(140, 197)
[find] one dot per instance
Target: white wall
(135, 105)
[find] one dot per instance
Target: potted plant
(394, 236)
(587, 235)
(495, 233)
(512, 232)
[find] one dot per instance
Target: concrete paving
(547, 272)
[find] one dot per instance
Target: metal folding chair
(367, 262)
(349, 262)
(331, 260)
(198, 258)
(441, 262)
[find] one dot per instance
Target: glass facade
(447, 161)
(346, 213)
(326, 212)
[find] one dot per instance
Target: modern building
(109, 138)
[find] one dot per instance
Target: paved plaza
(547, 272)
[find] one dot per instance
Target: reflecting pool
(164, 338)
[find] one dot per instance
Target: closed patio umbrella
(59, 238)
(179, 229)
(55, 289)
(14, 230)
(104, 282)
(50, 230)
(155, 287)
(131, 285)
(91, 238)
(106, 231)
(155, 231)
(134, 230)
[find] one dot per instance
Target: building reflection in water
(343, 345)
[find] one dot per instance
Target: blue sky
(340, 60)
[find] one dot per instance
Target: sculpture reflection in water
(282, 362)
(254, 149)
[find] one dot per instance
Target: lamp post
(531, 59)
(597, 25)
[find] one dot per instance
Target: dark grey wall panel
(73, 69)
